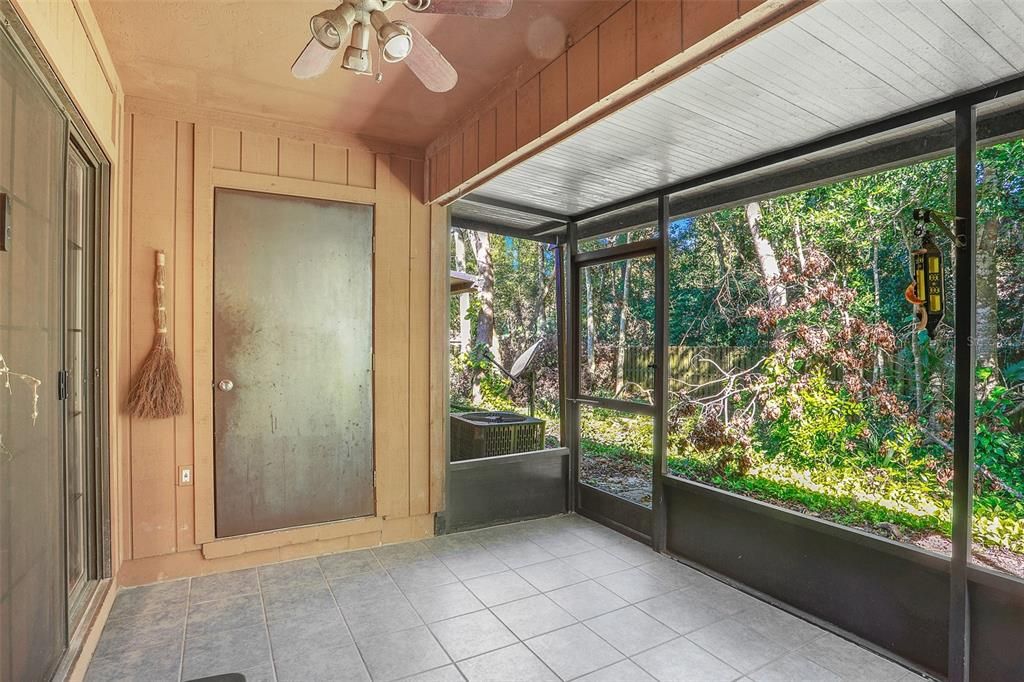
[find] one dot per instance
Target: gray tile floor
(559, 598)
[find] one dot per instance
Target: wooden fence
(691, 366)
(695, 366)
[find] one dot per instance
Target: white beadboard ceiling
(839, 64)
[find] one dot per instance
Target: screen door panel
(293, 321)
(32, 596)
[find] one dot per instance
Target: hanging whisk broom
(156, 392)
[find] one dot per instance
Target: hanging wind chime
(927, 292)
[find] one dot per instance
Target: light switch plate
(6, 228)
(185, 475)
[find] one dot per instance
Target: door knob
(226, 385)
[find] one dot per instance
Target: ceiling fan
(354, 23)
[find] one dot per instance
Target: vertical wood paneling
(419, 344)
(296, 159)
(443, 170)
(701, 18)
(471, 149)
(226, 148)
(488, 138)
(617, 50)
(259, 153)
(659, 27)
(74, 45)
(528, 111)
(182, 341)
(582, 70)
(122, 287)
(435, 186)
(171, 207)
(455, 162)
(391, 337)
(553, 94)
(152, 220)
(362, 167)
(505, 140)
(202, 331)
(330, 164)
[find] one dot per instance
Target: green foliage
(849, 416)
(609, 433)
(997, 447)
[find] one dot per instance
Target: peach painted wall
(174, 160)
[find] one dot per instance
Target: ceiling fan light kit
(394, 37)
(356, 22)
(357, 55)
(332, 27)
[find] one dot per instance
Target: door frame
(207, 180)
(630, 518)
(97, 558)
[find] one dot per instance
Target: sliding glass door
(32, 589)
(51, 291)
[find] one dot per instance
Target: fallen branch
(986, 473)
(997, 482)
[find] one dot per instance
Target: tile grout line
(266, 622)
(184, 631)
(788, 652)
(522, 534)
(423, 623)
(341, 613)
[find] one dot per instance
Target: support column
(662, 374)
(964, 393)
(572, 365)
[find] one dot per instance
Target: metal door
(292, 359)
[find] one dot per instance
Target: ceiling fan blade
(429, 64)
(484, 9)
(313, 61)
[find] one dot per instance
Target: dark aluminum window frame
(961, 571)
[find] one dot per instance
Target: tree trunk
(539, 309)
(879, 359)
(591, 362)
(720, 250)
(765, 257)
(620, 360)
(542, 292)
(460, 266)
(987, 329)
(485, 318)
(723, 298)
(798, 237)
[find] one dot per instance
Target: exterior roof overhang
(813, 99)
